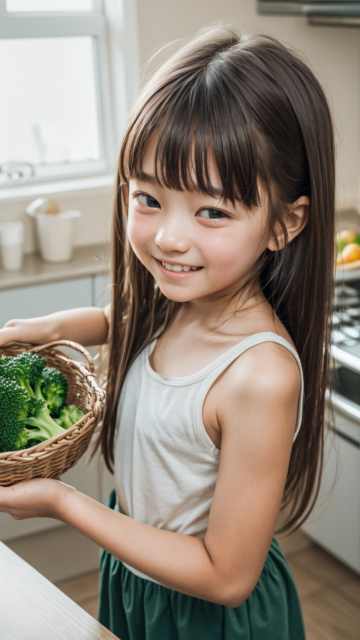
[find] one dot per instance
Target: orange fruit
(351, 253)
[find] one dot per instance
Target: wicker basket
(53, 457)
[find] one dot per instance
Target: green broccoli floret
(14, 406)
(19, 411)
(25, 369)
(43, 426)
(52, 388)
(69, 416)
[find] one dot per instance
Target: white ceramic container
(55, 231)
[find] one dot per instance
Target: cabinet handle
(347, 438)
(349, 409)
(348, 359)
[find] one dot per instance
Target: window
(49, 5)
(55, 111)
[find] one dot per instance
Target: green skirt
(137, 609)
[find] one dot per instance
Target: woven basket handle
(71, 345)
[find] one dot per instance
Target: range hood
(345, 12)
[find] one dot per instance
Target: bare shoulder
(266, 372)
(270, 365)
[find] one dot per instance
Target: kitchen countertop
(32, 608)
(87, 261)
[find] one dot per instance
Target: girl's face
(195, 246)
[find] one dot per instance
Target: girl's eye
(148, 201)
(212, 214)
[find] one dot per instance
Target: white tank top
(166, 465)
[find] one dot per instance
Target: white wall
(333, 53)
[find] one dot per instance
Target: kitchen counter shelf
(87, 261)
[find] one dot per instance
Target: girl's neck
(210, 314)
(201, 331)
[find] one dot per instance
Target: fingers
(9, 334)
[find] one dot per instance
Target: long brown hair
(258, 108)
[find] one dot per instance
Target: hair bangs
(203, 142)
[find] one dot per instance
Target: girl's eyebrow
(151, 179)
(146, 177)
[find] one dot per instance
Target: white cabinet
(107, 482)
(10, 528)
(28, 302)
(42, 299)
(335, 521)
(101, 290)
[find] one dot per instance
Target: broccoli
(14, 403)
(18, 411)
(25, 369)
(69, 416)
(43, 426)
(41, 382)
(52, 389)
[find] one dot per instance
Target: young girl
(222, 283)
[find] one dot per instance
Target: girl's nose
(172, 237)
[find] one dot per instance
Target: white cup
(56, 235)
(12, 245)
(55, 231)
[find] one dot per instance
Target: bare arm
(88, 326)
(257, 424)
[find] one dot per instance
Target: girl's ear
(295, 219)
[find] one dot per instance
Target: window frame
(109, 21)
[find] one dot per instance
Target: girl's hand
(35, 331)
(37, 498)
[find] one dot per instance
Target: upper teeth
(177, 267)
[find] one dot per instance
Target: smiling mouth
(178, 267)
